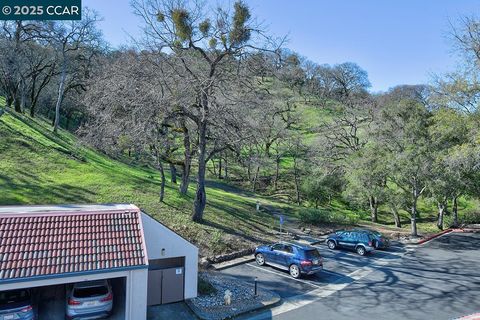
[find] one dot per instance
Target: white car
(90, 300)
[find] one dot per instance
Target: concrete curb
(433, 236)
(204, 315)
(232, 263)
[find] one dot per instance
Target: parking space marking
(284, 275)
(334, 273)
(299, 301)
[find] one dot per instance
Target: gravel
(243, 300)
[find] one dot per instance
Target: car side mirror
(271, 248)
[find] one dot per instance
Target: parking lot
(437, 280)
(340, 266)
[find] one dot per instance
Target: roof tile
(47, 243)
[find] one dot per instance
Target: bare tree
(75, 43)
(209, 48)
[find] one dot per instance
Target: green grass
(40, 167)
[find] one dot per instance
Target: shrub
(472, 217)
(205, 287)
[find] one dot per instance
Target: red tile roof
(52, 243)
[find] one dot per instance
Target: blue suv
(359, 241)
(296, 259)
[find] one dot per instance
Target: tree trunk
(226, 168)
(23, 95)
(297, 182)
(277, 172)
(441, 212)
(68, 120)
(413, 218)
(220, 168)
(187, 162)
(373, 208)
(9, 101)
(162, 180)
(396, 217)
(201, 197)
(61, 89)
(455, 211)
(17, 105)
(255, 178)
(173, 173)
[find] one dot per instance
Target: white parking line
(299, 301)
(333, 273)
(283, 275)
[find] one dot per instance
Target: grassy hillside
(40, 167)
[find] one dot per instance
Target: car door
(343, 239)
(353, 240)
(274, 256)
(285, 256)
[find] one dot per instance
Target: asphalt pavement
(438, 280)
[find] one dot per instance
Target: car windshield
(13, 296)
(312, 254)
(90, 292)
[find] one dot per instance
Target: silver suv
(91, 299)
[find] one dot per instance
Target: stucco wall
(158, 237)
(136, 304)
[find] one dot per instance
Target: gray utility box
(166, 282)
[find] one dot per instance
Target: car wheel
(294, 271)
(361, 250)
(260, 259)
(331, 244)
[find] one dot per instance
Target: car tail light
(73, 302)
(306, 263)
(26, 309)
(107, 298)
(370, 243)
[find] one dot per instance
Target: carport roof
(40, 242)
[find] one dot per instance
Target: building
(48, 248)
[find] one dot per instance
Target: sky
(395, 41)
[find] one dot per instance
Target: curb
(207, 316)
(232, 263)
(434, 236)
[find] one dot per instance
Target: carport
(48, 248)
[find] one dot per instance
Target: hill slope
(40, 167)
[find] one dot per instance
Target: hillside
(39, 167)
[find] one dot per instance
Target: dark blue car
(358, 241)
(294, 258)
(380, 241)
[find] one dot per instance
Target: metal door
(154, 293)
(172, 285)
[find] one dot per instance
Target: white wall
(158, 237)
(136, 304)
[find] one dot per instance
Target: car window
(277, 247)
(90, 292)
(312, 254)
(7, 297)
(288, 249)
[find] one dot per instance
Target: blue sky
(395, 41)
